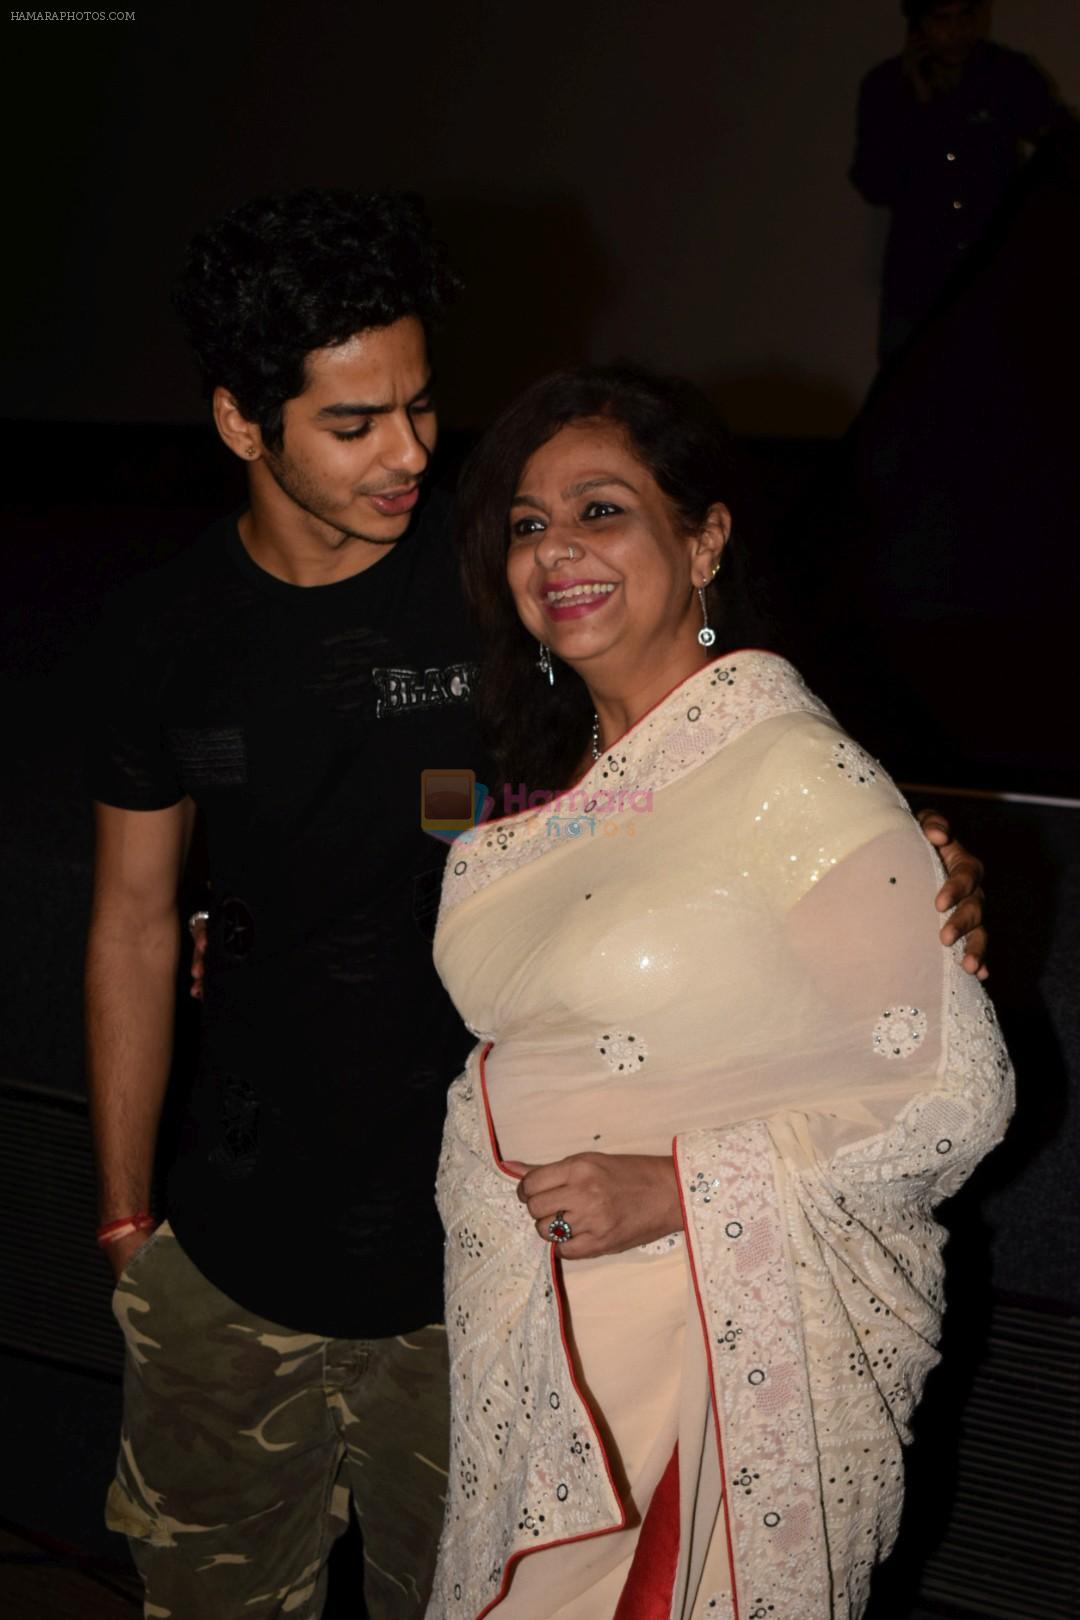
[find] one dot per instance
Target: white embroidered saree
(723, 945)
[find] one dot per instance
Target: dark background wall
(613, 175)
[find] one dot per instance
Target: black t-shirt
(299, 721)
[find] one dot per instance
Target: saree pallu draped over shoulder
(732, 959)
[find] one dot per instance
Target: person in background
(940, 131)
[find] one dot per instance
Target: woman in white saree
(724, 1070)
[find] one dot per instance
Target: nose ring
(570, 552)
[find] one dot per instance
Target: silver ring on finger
(195, 919)
(559, 1228)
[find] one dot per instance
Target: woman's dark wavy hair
(282, 275)
(539, 733)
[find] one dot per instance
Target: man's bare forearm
(130, 1007)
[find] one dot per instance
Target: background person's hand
(613, 1201)
(962, 889)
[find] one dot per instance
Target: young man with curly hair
(289, 677)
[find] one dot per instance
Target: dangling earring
(706, 635)
(544, 663)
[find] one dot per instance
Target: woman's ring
(559, 1229)
(195, 919)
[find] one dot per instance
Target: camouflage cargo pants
(243, 1443)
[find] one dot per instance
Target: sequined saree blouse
(722, 945)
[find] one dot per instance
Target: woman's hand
(962, 890)
(613, 1201)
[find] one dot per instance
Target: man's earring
(544, 663)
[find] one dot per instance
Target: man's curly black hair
(282, 275)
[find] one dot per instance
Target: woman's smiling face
(598, 563)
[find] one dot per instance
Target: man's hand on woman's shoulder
(961, 894)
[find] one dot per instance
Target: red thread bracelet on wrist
(126, 1226)
(142, 1215)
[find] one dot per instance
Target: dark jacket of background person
(937, 579)
(941, 166)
